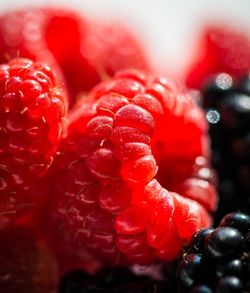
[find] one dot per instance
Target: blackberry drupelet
(227, 103)
(218, 260)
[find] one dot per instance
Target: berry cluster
(105, 169)
(218, 260)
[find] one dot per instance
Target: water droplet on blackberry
(213, 116)
(224, 81)
(216, 89)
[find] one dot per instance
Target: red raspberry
(106, 197)
(90, 49)
(32, 107)
(219, 50)
(84, 49)
(27, 264)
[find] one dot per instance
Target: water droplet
(224, 81)
(213, 116)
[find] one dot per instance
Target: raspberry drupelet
(108, 198)
(32, 109)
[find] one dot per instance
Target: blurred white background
(167, 28)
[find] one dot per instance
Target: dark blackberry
(72, 281)
(218, 260)
(114, 277)
(219, 85)
(201, 289)
(192, 270)
(168, 271)
(230, 284)
(239, 221)
(244, 85)
(105, 280)
(227, 104)
(224, 242)
(116, 280)
(198, 240)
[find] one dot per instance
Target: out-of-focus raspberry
(219, 49)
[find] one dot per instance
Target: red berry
(219, 50)
(106, 195)
(85, 50)
(32, 109)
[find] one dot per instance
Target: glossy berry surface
(227, 105)
(219, 49)
(32, 109)
(221, 264)
(224, 242)
(108, 197)
(239, 221)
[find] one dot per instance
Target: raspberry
(27, 264)
(226, 101)
(32, 109)
(89, 49)
(217, 260)
(85, 50)
(106, 196)
(219, 50)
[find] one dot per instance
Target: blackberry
(105, 280)
(120, 280)
(227, 104)
(218, 260)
